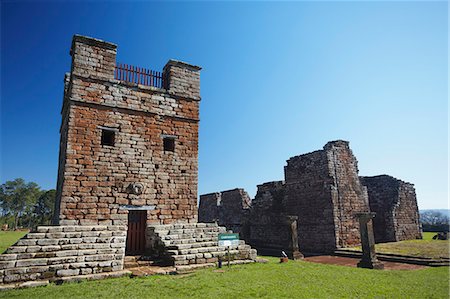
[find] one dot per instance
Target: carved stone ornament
(136, 188)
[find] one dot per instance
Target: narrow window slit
(169, 144)
(108, 137)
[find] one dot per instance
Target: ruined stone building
(226, 208)
(128, 170)
(395, 204)
(323, 191)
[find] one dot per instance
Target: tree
(433, 218)
(45, 206)
(434, 221)
(18, 198)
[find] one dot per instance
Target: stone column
(369, 258)
(292, 222)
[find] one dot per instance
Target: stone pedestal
(369, 258)
(292, 221)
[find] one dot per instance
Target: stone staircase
(54, 252)
(195, 245)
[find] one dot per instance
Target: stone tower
(129, 140)
(127, 177)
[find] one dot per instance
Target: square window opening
(108, 137)
(169, 144)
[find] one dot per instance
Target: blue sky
(278, 80)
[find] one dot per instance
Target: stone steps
(58, 280)
(60, 251)
(196, 243)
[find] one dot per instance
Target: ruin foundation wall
(228, 208)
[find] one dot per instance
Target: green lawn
(271, 280)
(427, 247)
(8, 238)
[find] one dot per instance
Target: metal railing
(138, 75)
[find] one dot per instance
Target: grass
(8, 238)
(272, 280)
(427, 247)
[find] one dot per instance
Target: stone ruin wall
(348, 194)
(267, 228)
(309, 198)
(395, 205)
(324, 191)
(228, 208)
(94, 180)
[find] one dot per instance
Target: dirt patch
(352, 262)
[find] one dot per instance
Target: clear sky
(278, 80)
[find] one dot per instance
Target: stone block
(89, 240)
(65, 253)
(90, 234)
(7, 257)
(22, 256)
(42, 229)
(69, 247)
(72, 235)
(69, 228)
(55, 235)
(38, 269)
(32, 249)
(7, 264)
(54, 229)
(16, 249)
(68, 272)
(32, 284)
(105, 264)
(85, 271)
(31, 262)
(11, 278)
(25, 242)
(45, 242)
(51, 248)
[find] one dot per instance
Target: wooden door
(137, 221)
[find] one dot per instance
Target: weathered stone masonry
(52, 252)
(128, 152)
(395, 205)
(94, 180)
(226, 208)
(322, 189)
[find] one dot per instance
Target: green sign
(228, 239)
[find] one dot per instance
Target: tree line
(434, 221)
(25, 205)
